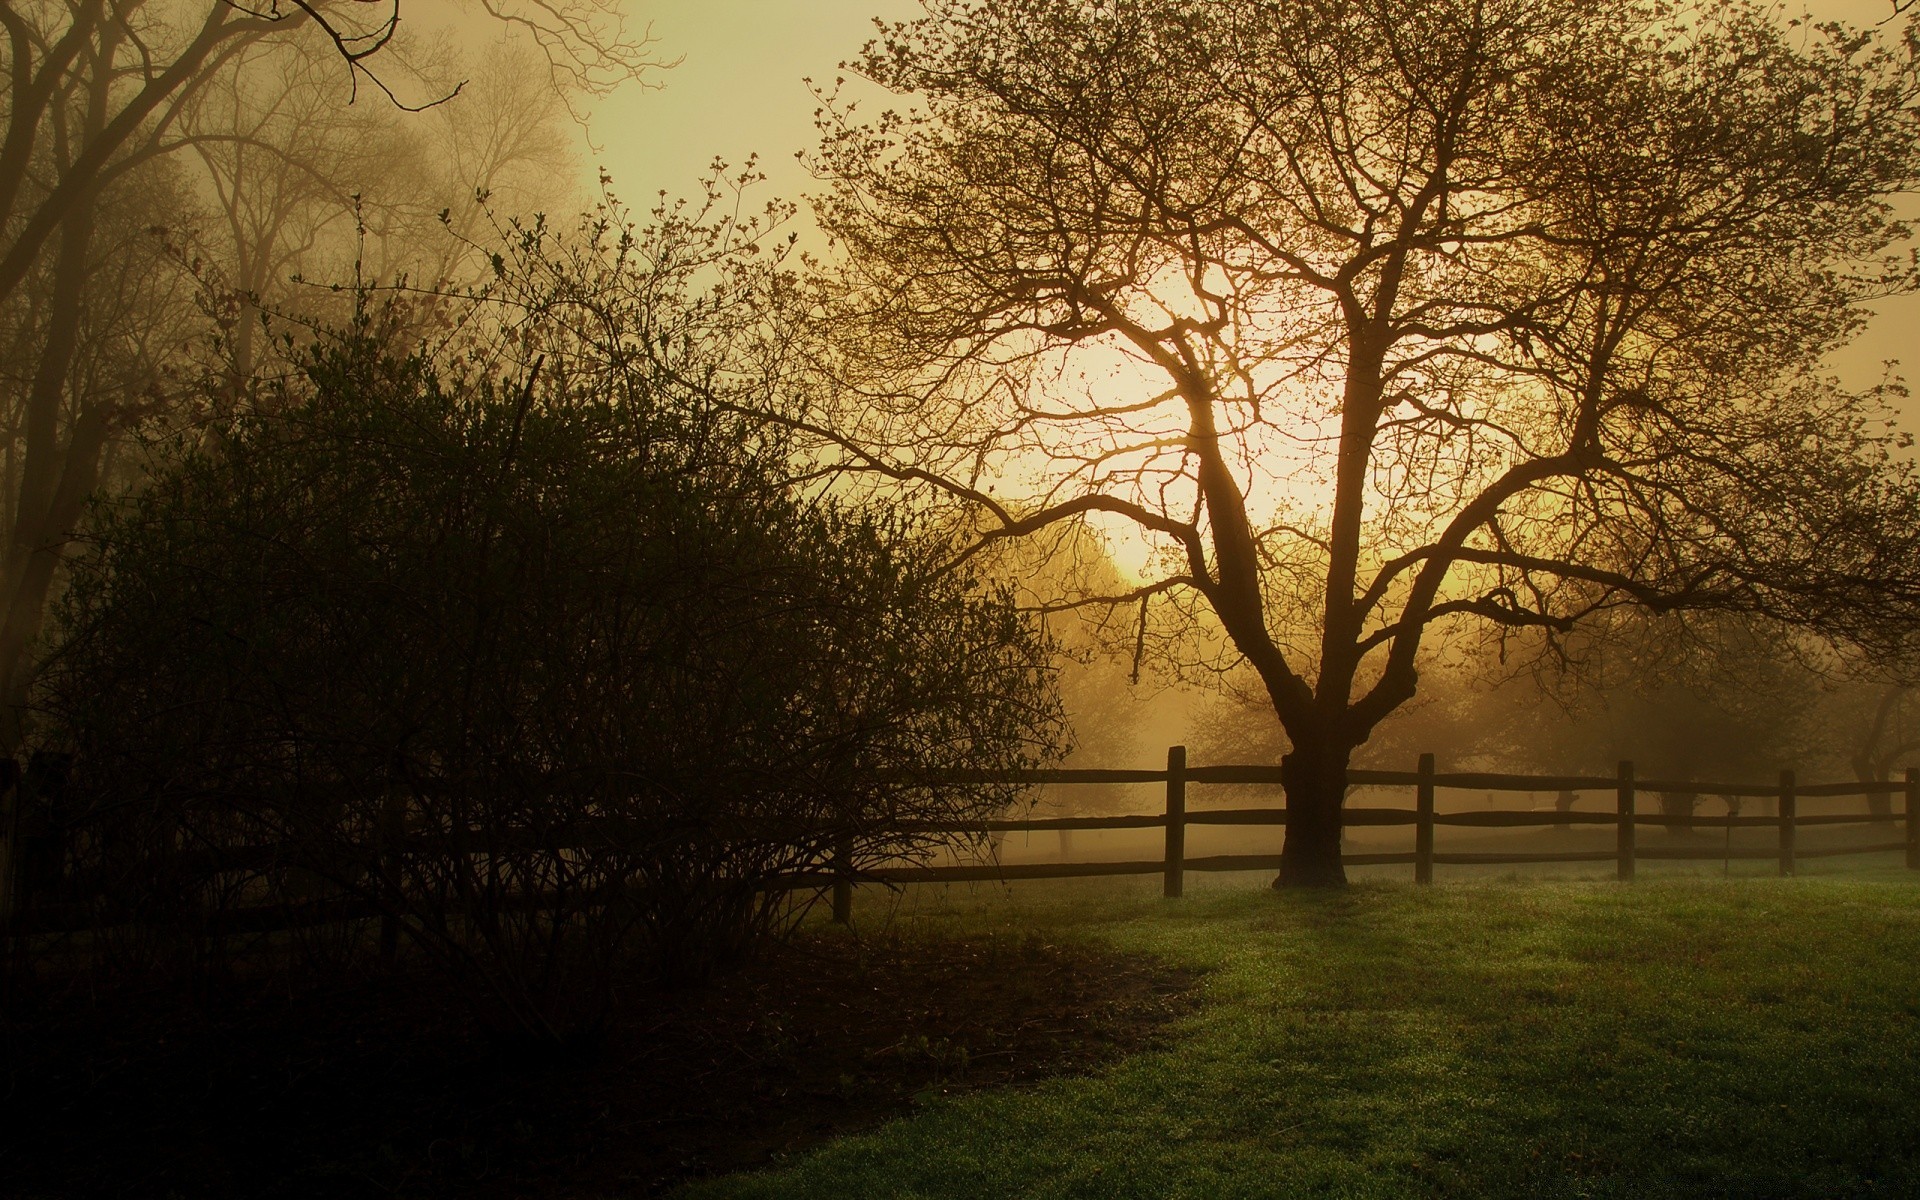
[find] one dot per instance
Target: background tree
(100, 92)
(309, 191)
(1889, 737)
(1387, 316)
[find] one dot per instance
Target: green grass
(1691, 1037)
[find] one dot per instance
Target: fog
(591, 592)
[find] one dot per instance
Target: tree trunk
(54, 482)
(1678, 809)
(1315, 780)
(1871, 761)
(1867, 770)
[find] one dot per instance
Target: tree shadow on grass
(382, 1090)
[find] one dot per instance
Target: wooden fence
(1425, 782)
(1176, 818)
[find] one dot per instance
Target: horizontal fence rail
(1626, 819)
(838, 874)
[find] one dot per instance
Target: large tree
(1386, 316)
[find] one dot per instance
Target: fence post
(1176, 866)
(11, 860)
(843, 879)
(1625, 797)
(393, 827)
(1787, 807)
(1423, 822)
(1913, 818)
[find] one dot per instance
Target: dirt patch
(384, 1090)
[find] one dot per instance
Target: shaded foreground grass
(1690, 1037)
(385, 1087)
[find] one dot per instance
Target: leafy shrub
(556, 675)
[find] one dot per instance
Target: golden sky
(738, 88)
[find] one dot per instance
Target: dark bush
(555, 676)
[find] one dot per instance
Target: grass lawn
(1674, 1037)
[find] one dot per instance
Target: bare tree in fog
(1871, 723)
(307, 186)
(100, 91)
(97, 332)
(283, 164)
(1388, 317)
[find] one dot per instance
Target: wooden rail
(1424, 817)
(839, 875)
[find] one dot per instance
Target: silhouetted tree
(1385, 316)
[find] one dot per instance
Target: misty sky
(739, 90)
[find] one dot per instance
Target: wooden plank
(1723, 822)
(1278, 816)
(1271, 862)
(1803, 820)
(1840, 851)
(1508, 818)
(1396, 859)
(1380, 816)
(1623, 811)
(1543, 857)
(1913, 818)
(10, 855)
(842, 875)
(1687, 786)
(1038, 775)
(1035, 824)
(1363, 778)
(393, 832)
(1787, 806)
(271, 918)
(1356, 776)
(1880, 787)
(1423, 822)
(1044, 824)
(1237, 773)
(265, 918)
(1235, 862)
(1173, 879)
(1173, 865)
(1711, 854)
(988, 872)
(1237, 816)
(1490, 781)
